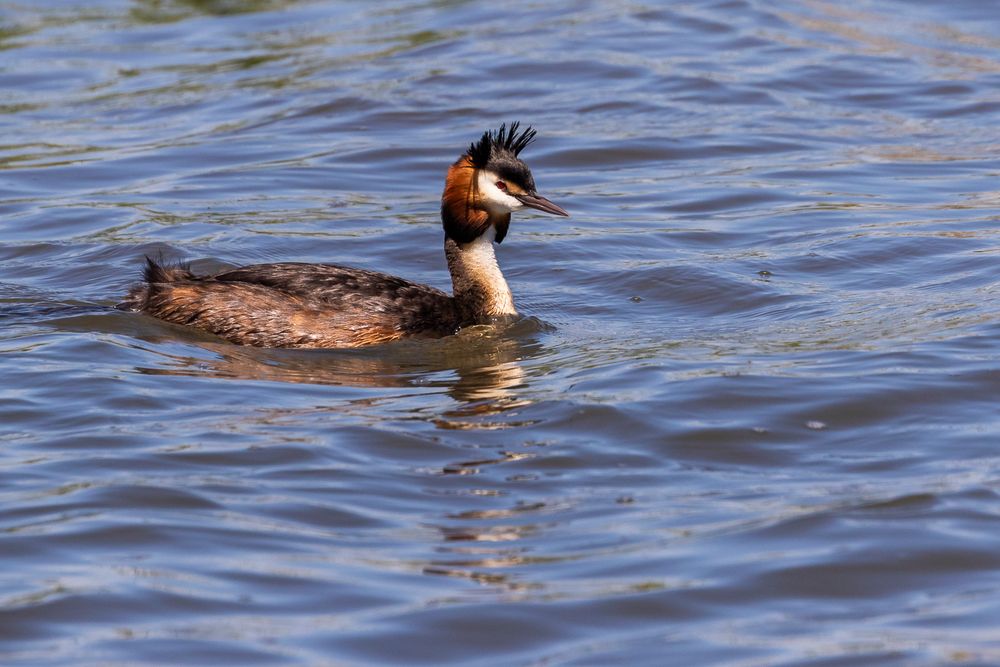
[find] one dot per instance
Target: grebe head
(489, 182)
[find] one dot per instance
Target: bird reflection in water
(480, 367)
(482, 371)
(486, 545)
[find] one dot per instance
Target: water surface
(751, 419)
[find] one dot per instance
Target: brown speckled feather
(296, 305)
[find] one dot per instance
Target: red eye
(502, 186)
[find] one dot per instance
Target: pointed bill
(536, 201)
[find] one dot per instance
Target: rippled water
(752, 419)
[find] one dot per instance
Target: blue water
(750, 419)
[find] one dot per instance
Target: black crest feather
(505, 140)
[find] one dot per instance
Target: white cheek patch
(493, 198)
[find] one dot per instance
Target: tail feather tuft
(154, 273)
(157, 272)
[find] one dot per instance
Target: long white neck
(481, 293)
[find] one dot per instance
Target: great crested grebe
(325, 305)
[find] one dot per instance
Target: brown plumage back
(294, 305)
